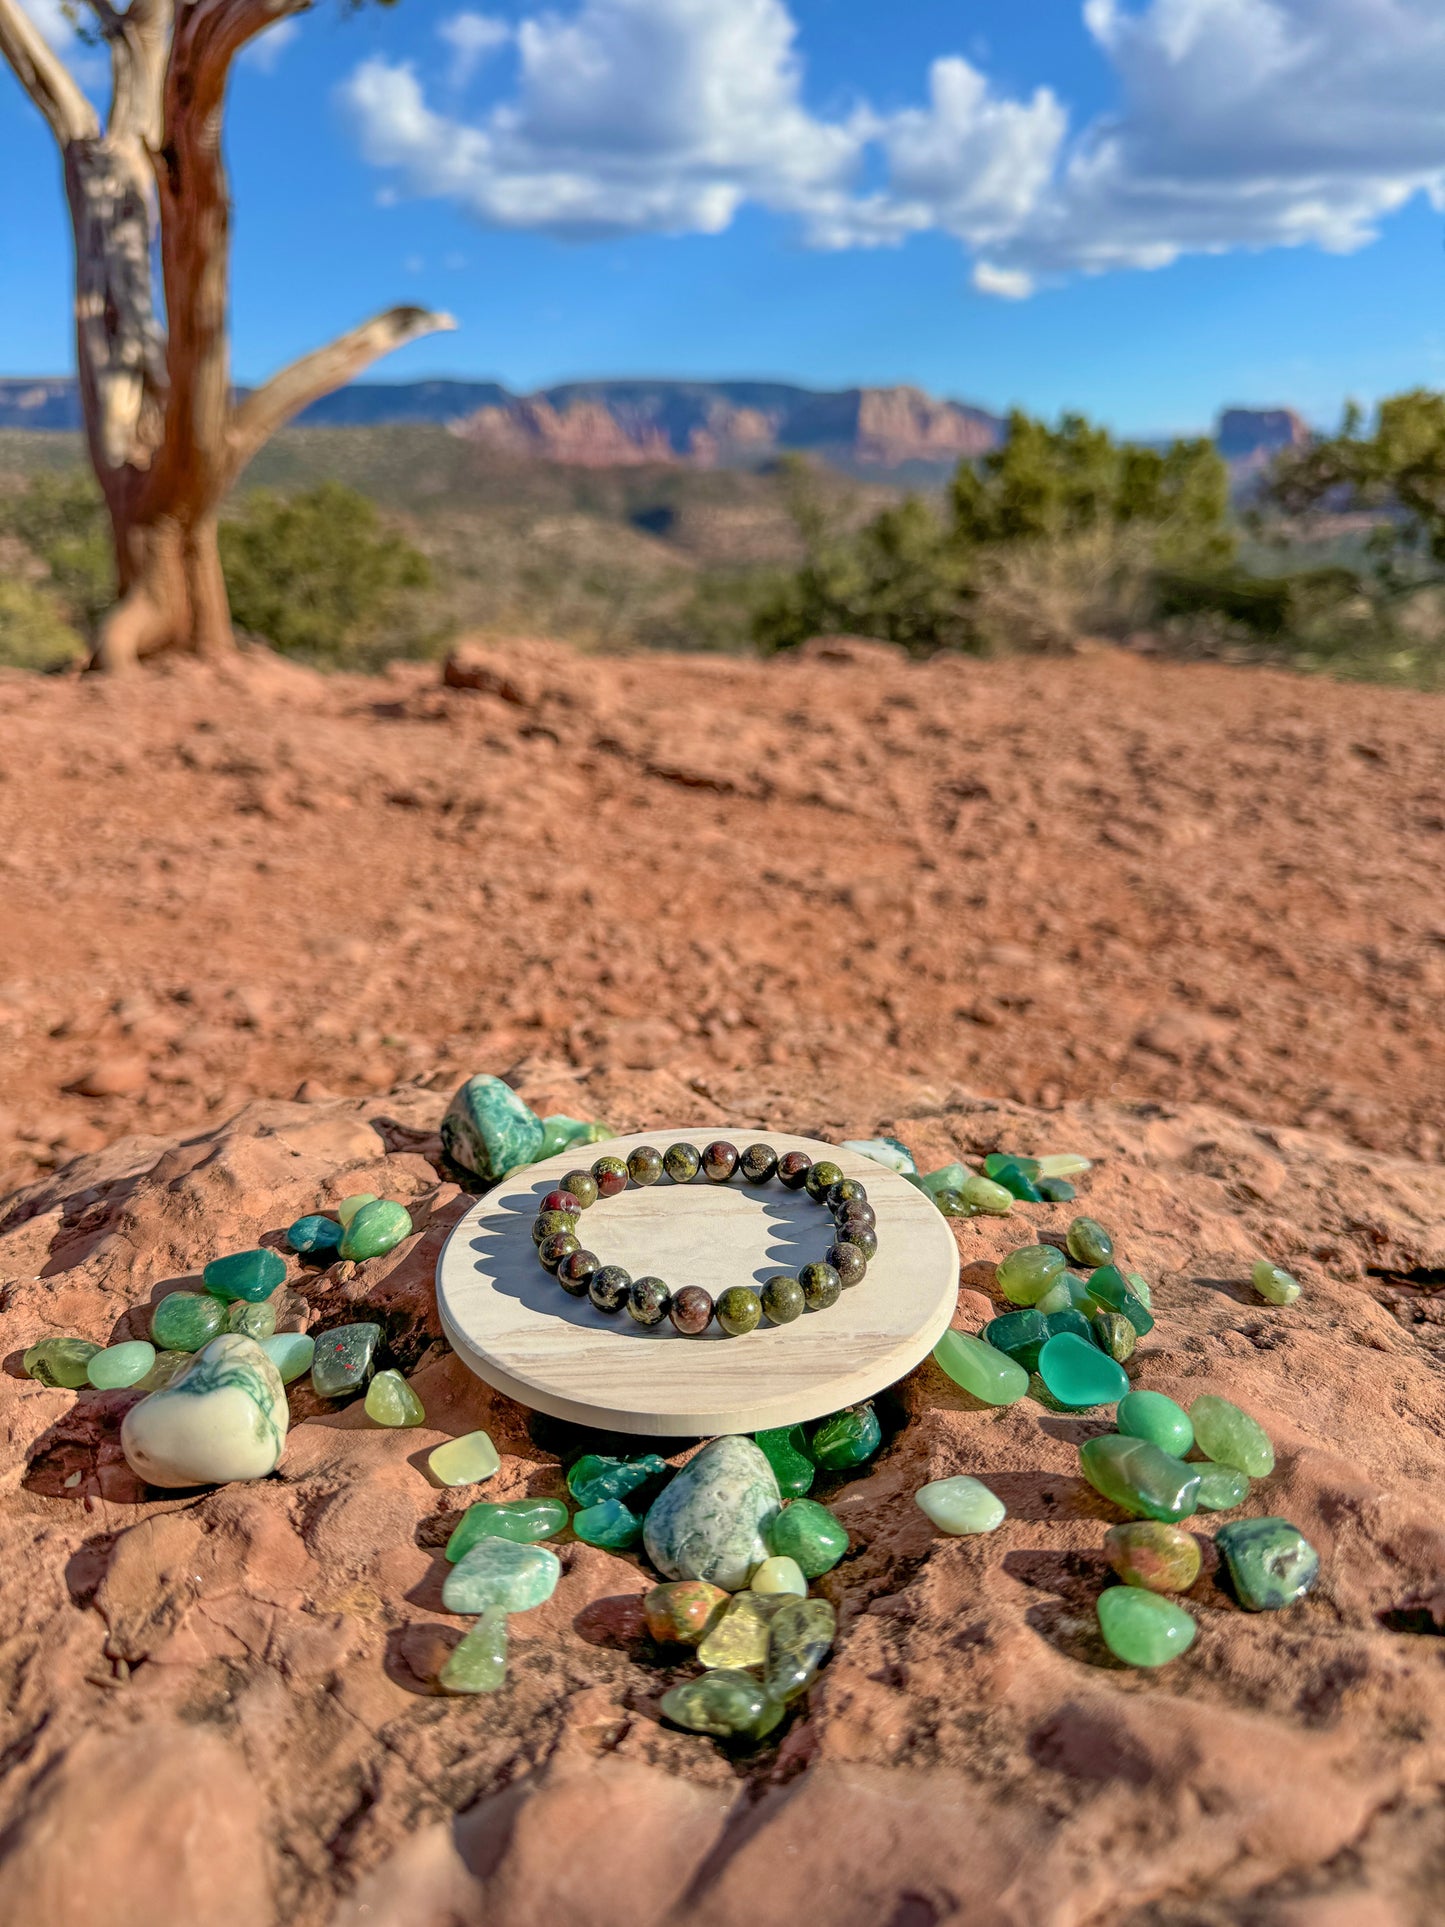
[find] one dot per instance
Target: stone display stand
(513, 1324)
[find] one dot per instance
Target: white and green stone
(709, 1522)
(961, 1505)
(223, 1417)
(499, 1572)
(489, 1131)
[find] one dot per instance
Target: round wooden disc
(515, 1327)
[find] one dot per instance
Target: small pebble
(1274, 1283)
(961, 1505)
(252, 1321)
(808, 1533)
(391, 1401)
(740, 1637)
(1221, 1488)
(1089, 1242)
(1152, 1416)
(345, 1356)
(1270, 1561)
(681, 1611)
(1026, 1274)
(1063, 1165)
(800, 1639)
(464, 1461)
(184, 1321)
(726, 1704)
(1079, 1375)
(981, 1194)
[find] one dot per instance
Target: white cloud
(1239, 124)
(264, 52)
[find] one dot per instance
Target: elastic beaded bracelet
(691, 1309)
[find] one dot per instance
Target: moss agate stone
(800, 1639)
(848, 1438)
(252, 1275)
(780, 1575)
(376, 1229)
(988, 1374)
(1143, 1629)
(726, 1705)
(498, 1572)
(1152, 1416)
(1274, 1284)
(344, 1359)
(786, 1450)
(464, 1461)
(807, 1533)
(1079, 1375)
(119, 1366)
(1221, 1488)
(1112, 1333)
(1110, 1290)
(709, 1522)
(524, 1521)
(1271, 1563)
(1138, 1477)
(64, 1363)
(478, 1662)
(887, 1151)
(960, 1506)
(184, 1321)
(391, 1401)
(314, 1234)
(682, 1611)
(1089, 1243)
(224, 1417)
(593, 1478)
(740, 1636)
(489, 1131)
(1026, 1274)
(609, 1524)
(290, 1352)
(1231, 1437)
(1158, 1557)
(253, 1321)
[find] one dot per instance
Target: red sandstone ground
(1189, 920)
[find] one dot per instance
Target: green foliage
(1265, 605)
(34, 633)
(61, 519)
(318, 576)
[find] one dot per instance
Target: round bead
(560, 1201)
(821, 1179)
(691, 1310)
(583, 1187)
(720, 1160)
(821, 1286)
(648, 1300)
(738, 1310)
(783, 1299)
(560, 1245)
(849, 1263)
(547, 1222)
(644, 1165)
(793, 1169)
(856, 1213)
(682, 1162)
(607, 1287)
(846, 1191)
(575, 1272)
(610, 1177)
(863, 1238)
(758, 1164)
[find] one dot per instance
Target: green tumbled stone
(1079, 1375)
(252, 1275)
(391, 1401)
(780, 1575)
(168, 1365)
(681, 1612)
(314, 1233)
(62, 1363)
(1271, 1562)
(981, 1194)
(253, 1321)
(1274, 1283)
(989, 1375)
(809, 1533)
(592, 1478)
(478, 1662)
(799, 1640)
(121, 1365)
(1110, 1288)
(1139, 1285)
(727, 1705)
(1158, 1557)
(1000, 1161)
(738, 1311)
(1009, 1173)
(1231, 1437)
(1136, 1475)
(1221, 1488)
(740, 1636)
(953, 1204)
(290, 1352)
(1089, 1242)
(960, 1505)
(1063, 1164)
(1112, 1333)
(1056, 1190)
(1058, 1297)
(498, 1572)
(1152, 1416)
(344, 1359)
(348, 1207)
(1026, 1274)
(523, 1520)
(609, 1523)
(1141, 1628)
(1069, 1320)
(375, 1230)
(847, 1439)
(488, 1130)
(560, 1133)
(786, 1450)
(464, 1461)
(1020, 1335)
(184, 1321)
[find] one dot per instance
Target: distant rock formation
(1256, 435)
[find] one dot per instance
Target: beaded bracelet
(691, 1309)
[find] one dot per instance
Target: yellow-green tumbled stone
(62, 1363)
(1231, 1437)
(1143, 1629)
(740, 1637)
(799, 1641)
(1025, 1275)
(1274, 1283)
(981, 1194)
(990, 1375)
(348, 1207)
(779, 1575)
(478, 1663)
(391, 1401)
(464, 1461)
(727, 1704)
(1154, 1555)
(375, 1229)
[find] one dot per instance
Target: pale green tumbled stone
(391, 1401)
(62, 1363)
(1140, 1286)
(525, 1520)
(709, 1522)
(1026, 1274)
(1231, 1437)
(348, 1207)
(464, 1461)
(725, 1704)
(291, 1353)
(1221, 1488)
(560, 1133)
(780, 1574)
(488, 1130)
(1063, 1165)
(990, 1375)
(961, 1505)
(478, 1663)
(375, 1229)
(1152, 1416)
(499, 1572)
(224, 1417)
(121, 1365)
(982, 1194)
(1142, 1628)
(1274, 1283)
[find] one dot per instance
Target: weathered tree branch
(306, 380)
(45, 76)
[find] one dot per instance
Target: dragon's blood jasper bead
(608, 1287)
(583, 1187)
(560, 1245)
(647, 1301)
(848, 1261)
(575, 1272)
(547, 1222)
(822, 1286)
(793, 1169)
(783, 1300)
(846, 1191)
(758, 1164)
(738, 1310)
(610, 1177)
(821, 1179)
(560, 1201)
(691, 1310)
(682, 1162)
(863, 1238)
(644, 1165)
(719, 1160)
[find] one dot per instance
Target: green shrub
(34, 633)
(61, 519)
(1265, 605)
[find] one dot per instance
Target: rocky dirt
(1184, 921)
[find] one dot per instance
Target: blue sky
(1141, 208)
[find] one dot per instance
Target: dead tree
(167, 439)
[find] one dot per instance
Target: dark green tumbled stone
(758, 1164)
(314, 1233)
(807, 1532)
(609, 1524)
(799, 1639)
(725, 1703)
(846, 1439)
(783, 1300)
(682, 1162)
(648, 1300)
(1110, 1288)
(608, 1287)
(644, 1165)
(593, 1478)
(1271, 1562)
(344, 1359)
(1136, 1475)
(822, 1286)
(1112, 1333)
(786, 1450)
(252, 1275)
(1010, 1173)
(997, 1161)
(523, 1520)
(1070, 1321)
(583, 1187)
(1056, 1190)
(738, 1310)
(821, 1178)
(184, 1321)
(1019, 1334)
